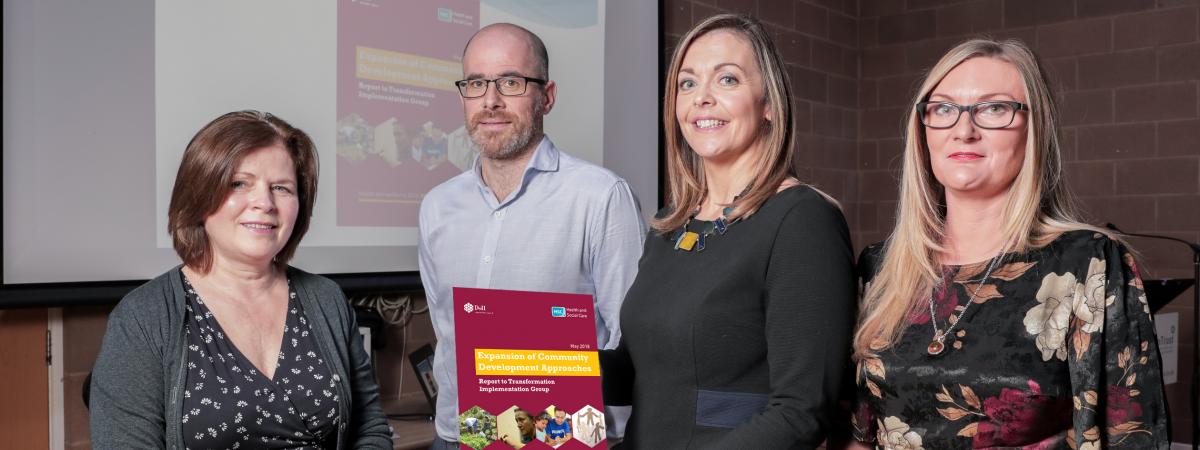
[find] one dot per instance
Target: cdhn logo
(469, 308)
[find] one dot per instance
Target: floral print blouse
(1057, 351)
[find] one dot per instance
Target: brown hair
(209, 161)
(685, 170)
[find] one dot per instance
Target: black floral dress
(1057, 351)
(228, 404)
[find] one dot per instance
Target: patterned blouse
(229, 404)
(1057, 351)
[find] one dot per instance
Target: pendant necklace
(939, 336)
(690, 240)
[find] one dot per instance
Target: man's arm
(616, 245)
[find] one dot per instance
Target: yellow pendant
(687, 241)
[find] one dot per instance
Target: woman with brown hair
(234, 348)
(736, 329)
(992, 316)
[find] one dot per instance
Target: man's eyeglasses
(509, 86)
(990, 115)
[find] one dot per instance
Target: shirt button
(498, 214)
(487, 259)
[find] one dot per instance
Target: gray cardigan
(137, 379)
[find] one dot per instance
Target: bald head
(530, 43)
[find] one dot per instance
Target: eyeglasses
(989, 115)
(509, 86)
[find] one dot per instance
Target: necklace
(688, 240)
(939, 336)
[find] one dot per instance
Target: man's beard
(519, 139)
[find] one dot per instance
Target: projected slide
(372, 82)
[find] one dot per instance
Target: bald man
(526, 216)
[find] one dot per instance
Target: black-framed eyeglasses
(989, 115)
(514, 85)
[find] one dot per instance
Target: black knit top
(743, 344)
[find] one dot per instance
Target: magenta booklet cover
(528, 370)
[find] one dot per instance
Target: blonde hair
(1039, 206)
(685, 170)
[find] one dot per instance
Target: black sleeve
(616, 376)
(810, 299)
(127, 385)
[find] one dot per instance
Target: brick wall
(1126, 74)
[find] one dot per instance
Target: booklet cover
(528, 370)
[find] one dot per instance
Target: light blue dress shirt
(570, 226)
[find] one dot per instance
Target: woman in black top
(234, 349)
(992, 317)
(736, 330)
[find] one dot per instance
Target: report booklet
(528, 370)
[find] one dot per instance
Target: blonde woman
(736, 329)
(992, 317)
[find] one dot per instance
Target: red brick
(1163, 27)
(1160, 102)
(802, 111)
(868, 217)
(1091, 8)
(795, 48)
(1179, 63)
(844, 6)
(971, 17)
(827, 121)
(1025, 35)
(867, 97)
(921, 56)
(874, 8)
(927, 4)
(1117, 69)
(885, 217)
(1086, 107)
(830, 57)
(1093, 178)
(1179, 212)
(1179, 138)
(878, 185)
(882, 61)
(832, 182)
(1159, 176)
(701, 12)
(1074, 38)
(843, 92)
(851, 123)
(736, 6)
(1130, 213)
(1116, 141)
(907, 27)
(899, 90)
(1066, 144)
(1062, 73)
(882, 123)
(867, 155)
(891, 154)
(1023, 13)
(841, 153)
(868, 32)
(811, 19)
(777, 12)
(843, 29)
(808, 84)
(677, 17)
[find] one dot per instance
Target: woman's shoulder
(153, 300)
(1083, 244)
(805, 201)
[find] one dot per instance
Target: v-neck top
(229, 404)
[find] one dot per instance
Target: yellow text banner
(549, 363)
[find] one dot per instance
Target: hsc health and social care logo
(558, 311)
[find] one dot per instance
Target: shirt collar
(545, 159)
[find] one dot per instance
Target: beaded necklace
(690, 240)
